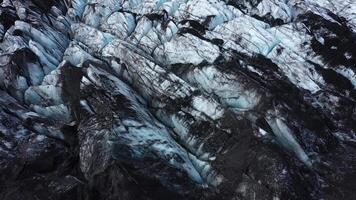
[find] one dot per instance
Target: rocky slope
(177, 99)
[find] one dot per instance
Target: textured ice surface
(174, 98)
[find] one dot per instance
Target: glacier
(177, 99)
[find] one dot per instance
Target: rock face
(177, 99)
